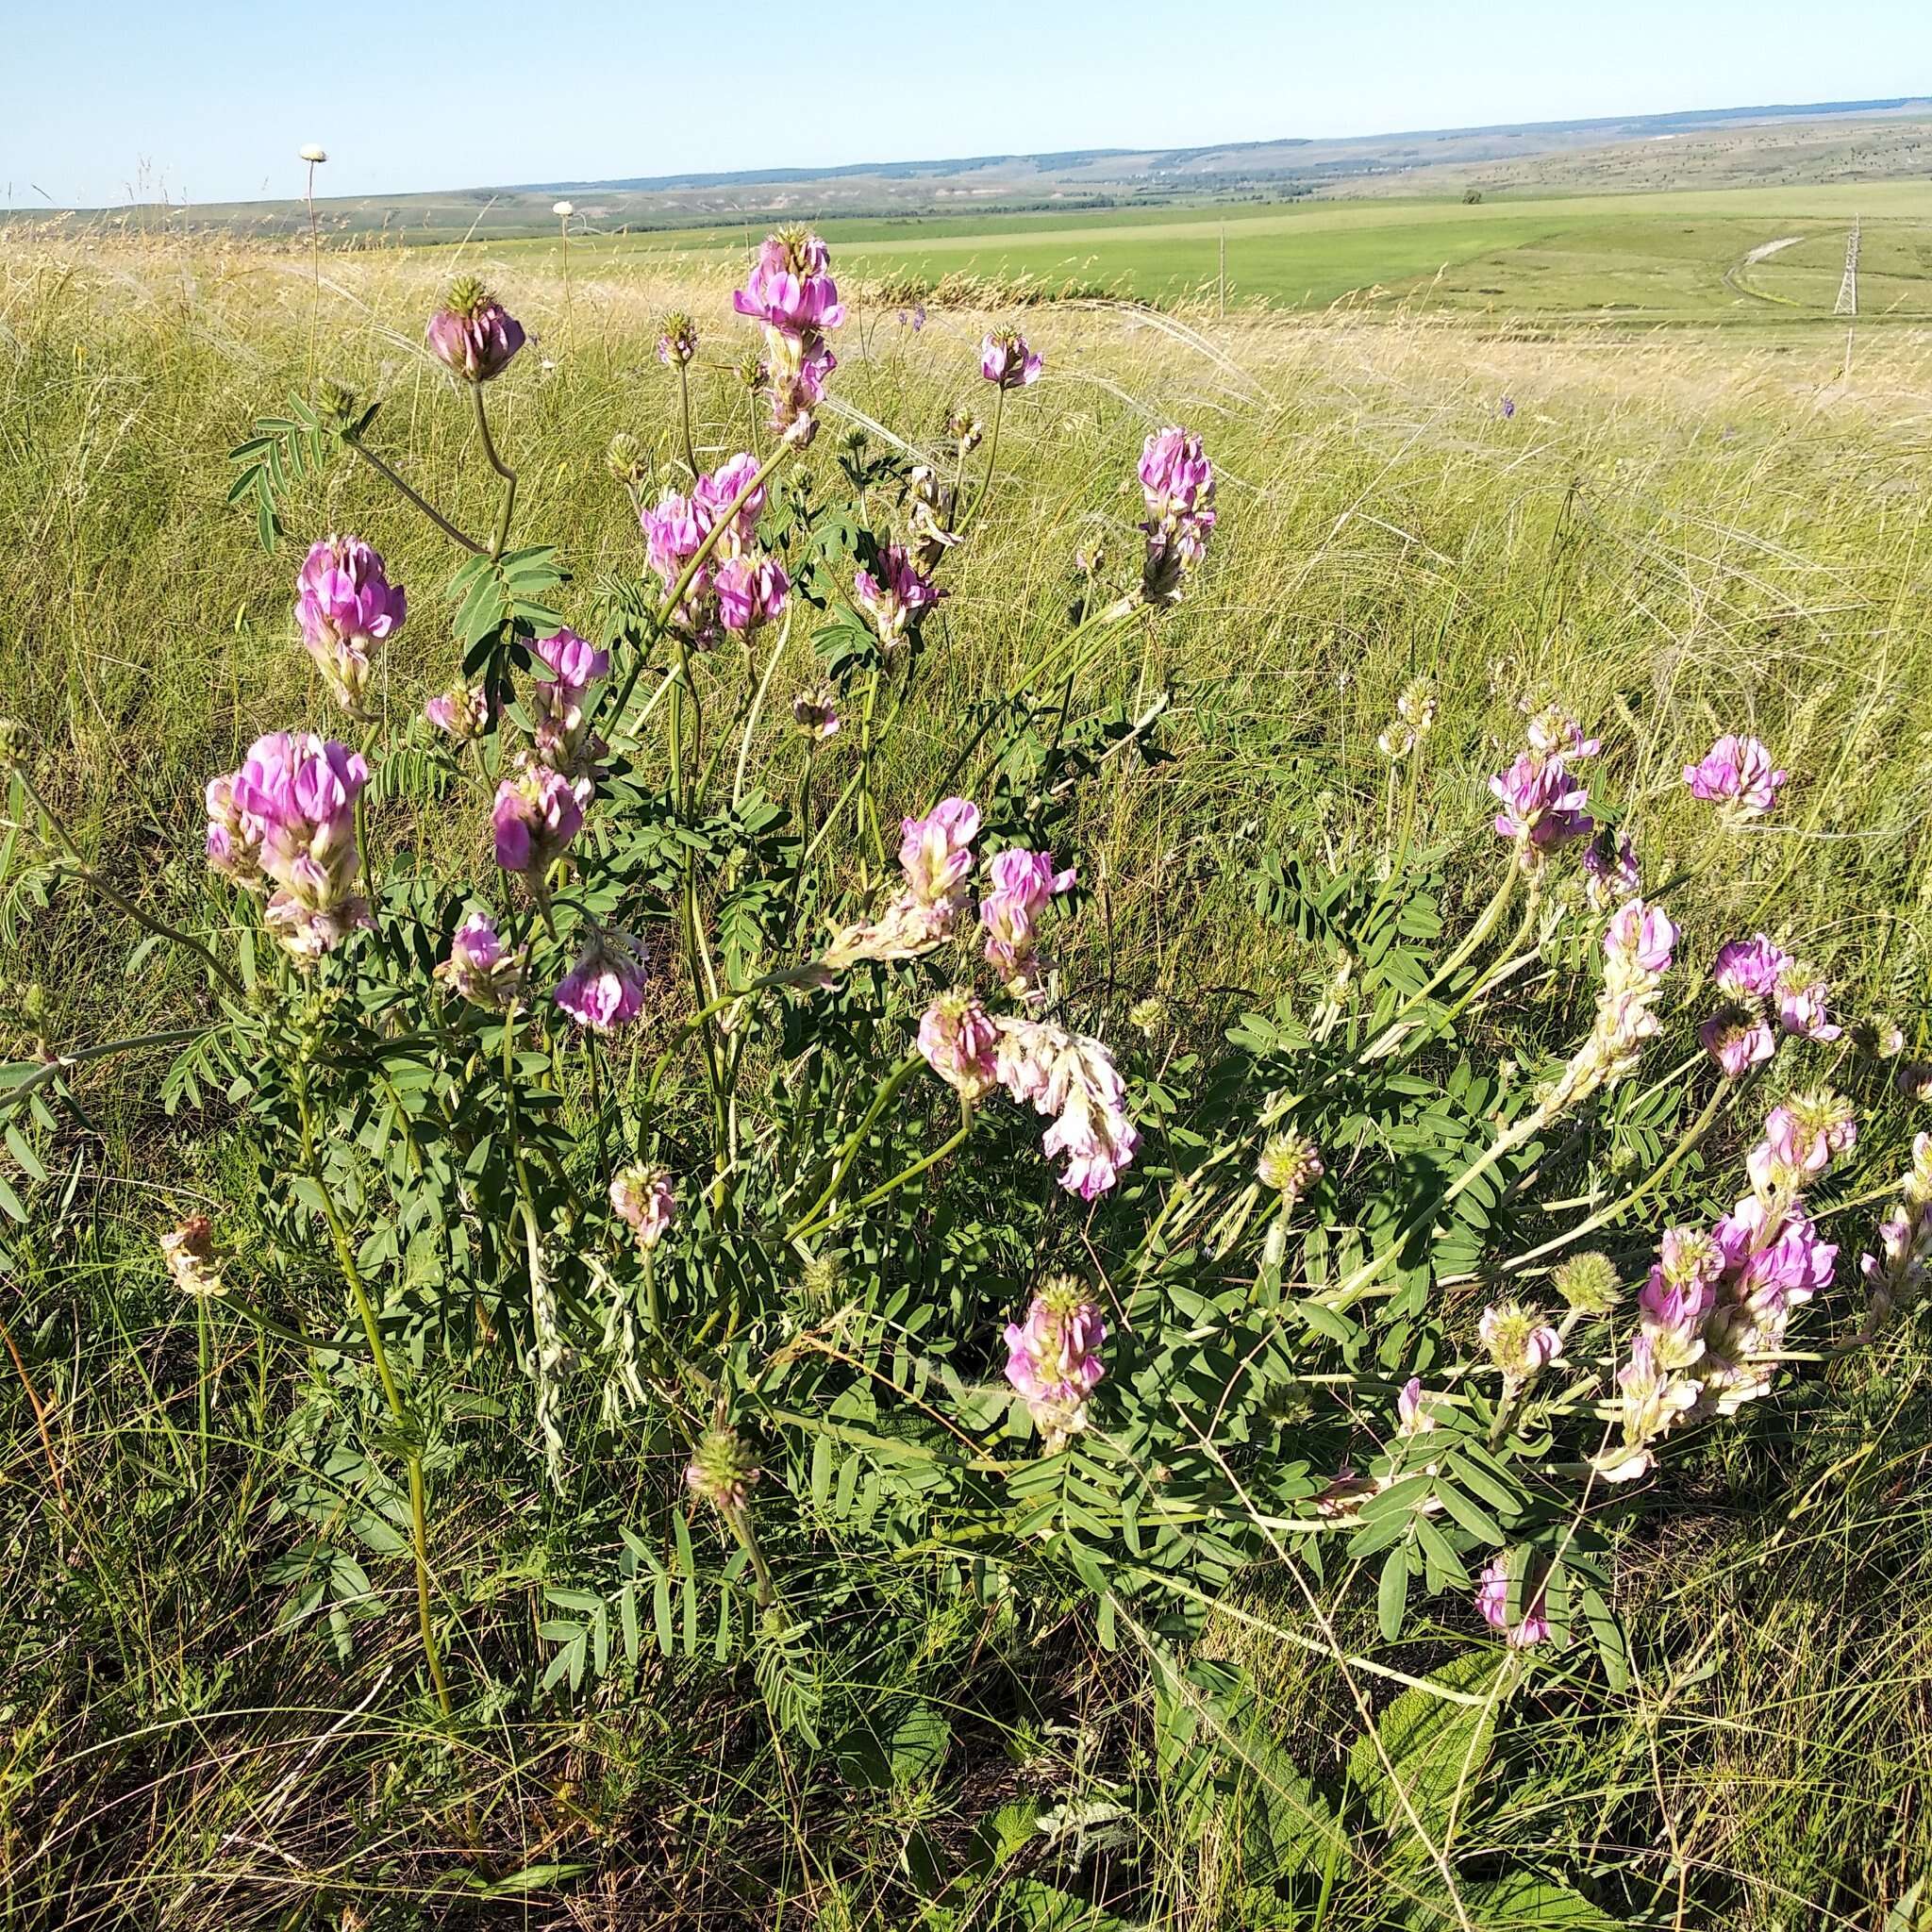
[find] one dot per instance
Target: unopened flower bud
(678, 340)
(815, 711)
(1519, 1340)
(1290, 1164)
(1589, 1283)
(1148, 1015)
(721, 1471)
(623, 457)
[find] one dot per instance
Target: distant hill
(1829, 141)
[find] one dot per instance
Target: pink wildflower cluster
(1766, 993)
(1053, 1357)
(737, 586)
(936, 862)
(1637, 944)
(480, 967)
(563, 738)
(1715, 1307)
(1541, 802)
(284, 822)
(894, 596)
(346, 603)
(791, 294)
(1895, 1277)
(1493, 1601)
(605, 989)
(1178, 482)
(1024, 883)
(1736, 776)
(958, 1040)
(537, 814)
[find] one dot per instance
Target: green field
(1631, 260)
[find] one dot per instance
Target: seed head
(1589, 1283)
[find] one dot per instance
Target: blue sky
(211, 100)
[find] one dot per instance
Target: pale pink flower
(1053, 1357)
(1737, 1042)
(957, 1038)
(345, 605)
(1542, 805)
(897, 597)
(479, 968)
(1005, 360)
(459, 713)
(1073, 1078)
(644, 1198)
(1023, 882)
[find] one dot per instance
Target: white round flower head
(565, 209)
(314, 153)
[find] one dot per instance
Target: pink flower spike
(1006, 359)
(1053, 1357)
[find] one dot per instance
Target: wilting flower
(344, 603)
(605, 990)
(1611, 872)
(1178, 483)
(1074, 1078)
(958, 1037)
(966, 431)
(1519, 1340)
(1736, 774)
(1415, 718)
(1053, 1357)
(936, 860)
(815, 711)
(188, 1250)
(286, 818)
(1554, 733)
(645, 1200)
(537, 814)
(1737, 1042)
(1542, 807)
(1023, 883)
(1006, 359)
(720, 1470)
(1290, 1165)
(459, 713)
(472, 335)
(678, 340)
(1895, 1277)
(895, 597)
(930, 502)
(1492, 1600)
(480, 968)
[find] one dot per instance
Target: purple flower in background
(644, 1198)
(479, 968)
(913, 319)
(1506, 408)
(472, 335)
(1178, 481)
(344, 603)
(1737, 776)
(1801, 1003)
(1006, 359)
(678, 340)
(461, 713)
(605, 990)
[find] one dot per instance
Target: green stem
(992, 457)
(758, 706)
(422, 503)
(501, 468)
(419, 1501)
(684, 418)
(841, 1165)
(1478, 934)
(899, 1180)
